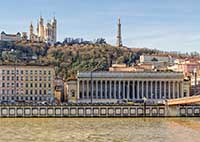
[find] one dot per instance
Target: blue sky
(170, 25)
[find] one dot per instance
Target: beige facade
(115, 86)
(71, 93)
(10, 37)
(27, 83)
(156, 60)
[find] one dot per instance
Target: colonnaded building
(116, 86)
(26, 83)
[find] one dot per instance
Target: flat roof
(152, 75)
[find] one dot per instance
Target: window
(45, 72)
(26, 84)
(40, 92)
(31, 92)
(26, 78)
(31, 85)
(35, 78)
(3, 84)
(8, 77)
(26, 92)
(49, 78)
(45, 92)
(49, 85)
(13, 78)
(31, 78)
(26, 71)
(49, 72)
(31, 72)
(22, 72)
(3, 77)
(40, 84)
(45, 85)
(40, 78)
(40, 72)
(8, 72)
(3, 71)
(35, 71)
(8, 84)
(35, 85)
(22, 78)
(36, 92)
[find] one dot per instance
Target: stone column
(142, 89)
(151, 92)
(106, 89)
(133, 87)
(156, 95)
(128, 90)
(123, 89)
(92, 89)
(182, 95)
(115, 90)
(101, 92)
(88, 90)
(160, 90)
(178, 88)
(110, 90)
(165, 88)
(97, 88)
(173, 89)
(119, 90)
(83, 88)
(169, 89)
(78, 90)
(138, 89)
(147, 91)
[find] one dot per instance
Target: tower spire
(119, 37)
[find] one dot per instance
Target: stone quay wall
(98, 111)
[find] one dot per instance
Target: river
(99, 130)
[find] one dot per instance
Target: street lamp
(91, 97)
(195, 81)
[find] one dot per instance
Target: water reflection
(100, 130)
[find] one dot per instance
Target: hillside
(68, 59)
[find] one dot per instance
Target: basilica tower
(41, 28)
(54, 29)
(119, 37)
(31, 31)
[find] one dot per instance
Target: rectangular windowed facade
(117, 86)
(22, 83)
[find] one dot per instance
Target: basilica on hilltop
(45, 33)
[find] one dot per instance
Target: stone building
(157, 60)
(10, 37)
(26, 83)
(45, 33)
(71, 90)
(117, 86)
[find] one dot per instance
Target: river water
(100, 130)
